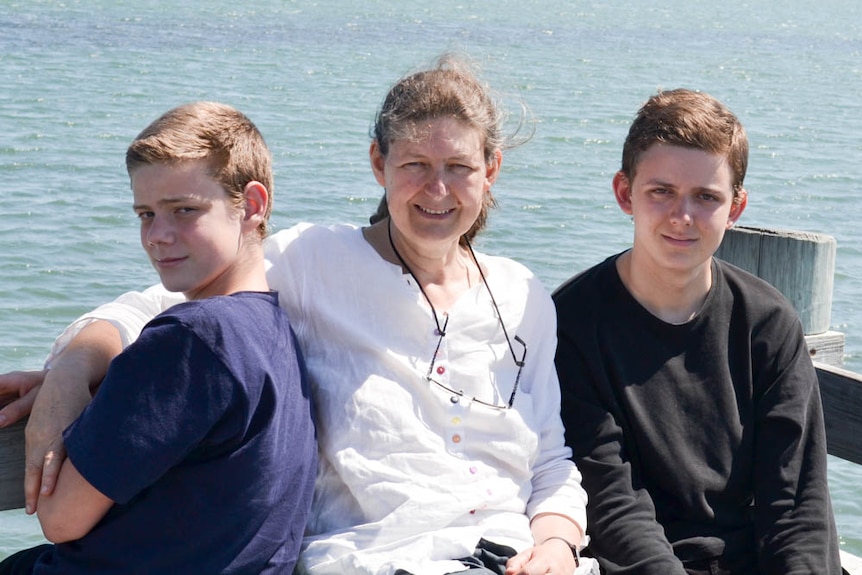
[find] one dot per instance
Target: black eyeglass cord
(442, 330)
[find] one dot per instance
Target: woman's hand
(553, 556)
(18, 391)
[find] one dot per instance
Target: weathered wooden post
(801, 265)
(12, 467)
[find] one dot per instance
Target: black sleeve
(794, 523)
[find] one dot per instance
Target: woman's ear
(378, 163)
(492, 169)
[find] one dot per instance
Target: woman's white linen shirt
(408, 478)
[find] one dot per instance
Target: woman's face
(435, 182)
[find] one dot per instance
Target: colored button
(473, 470)
(456, 438)
(456, 420)
(441, 370)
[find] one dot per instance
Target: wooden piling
(801, 265)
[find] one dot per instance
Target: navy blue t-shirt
(202, 434)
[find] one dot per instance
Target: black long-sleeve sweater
(695, 440)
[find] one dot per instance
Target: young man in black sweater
(690, 401)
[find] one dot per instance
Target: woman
(431, 365)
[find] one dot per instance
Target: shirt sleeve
(129, 313)
(794, 524)
(556, 480)
(160, 399)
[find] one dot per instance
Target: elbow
(57, 533)
(57, 527)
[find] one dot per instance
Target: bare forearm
(73, 509)
(64, 394)
(549, 525)
(88, 355)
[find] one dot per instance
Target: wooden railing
(807, 259)
(841, 391)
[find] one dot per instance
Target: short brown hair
(448, 89)
(217, 133)
(692, 120)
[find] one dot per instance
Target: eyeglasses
(456, 395)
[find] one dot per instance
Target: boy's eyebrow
(664, 184)
(163, 202)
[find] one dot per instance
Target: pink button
(456, 438)
(473, 470)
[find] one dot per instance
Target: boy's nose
(681, 211)
(158, 232)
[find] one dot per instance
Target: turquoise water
(79, 79)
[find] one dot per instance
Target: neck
(673, 297)
(248, 275)
(443, 272)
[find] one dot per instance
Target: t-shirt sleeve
(159, 400)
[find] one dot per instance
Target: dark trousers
(488, 558)
(742, 564)
(22, 562)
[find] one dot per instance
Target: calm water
(79, 79)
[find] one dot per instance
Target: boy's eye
(145, 215)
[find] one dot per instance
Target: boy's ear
(623, 192)
(256, 201)
(737, 207)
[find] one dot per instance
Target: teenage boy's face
(681, 201)
(189, 228)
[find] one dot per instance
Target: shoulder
(505, 269)
(314, 247)
(239, 314)
(754, 296)
(512, 280)
(307, 233)
(575, 292)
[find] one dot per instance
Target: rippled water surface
(80, 79)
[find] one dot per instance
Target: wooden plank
(851, 564)
(841, 393)
(12, 467)
(826, 347)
